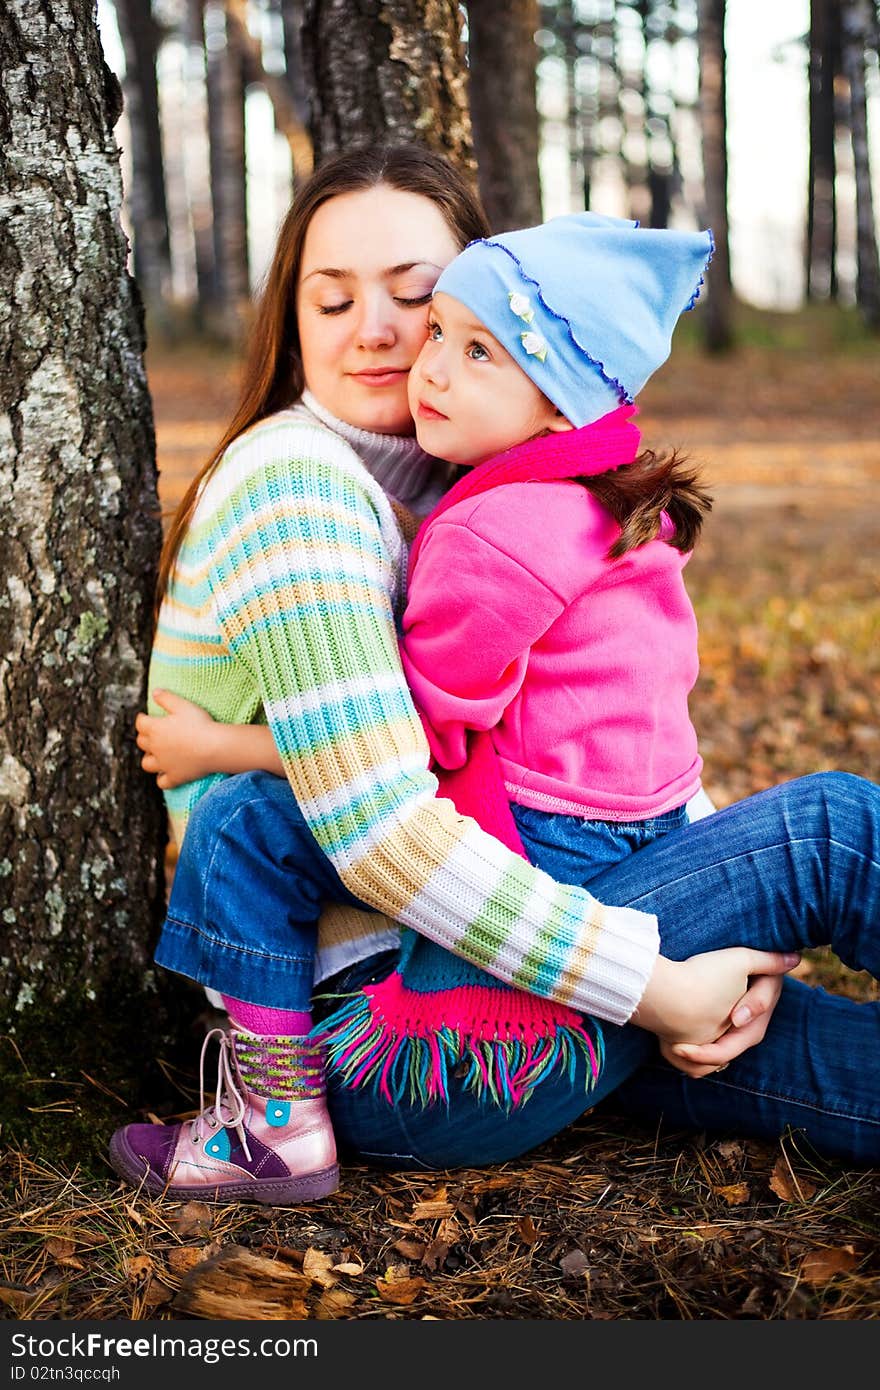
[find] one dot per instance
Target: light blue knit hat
(585, 304)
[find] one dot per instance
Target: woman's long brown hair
(273, 374)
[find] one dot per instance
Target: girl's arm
(185, 743)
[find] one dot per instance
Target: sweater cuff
(621, 958)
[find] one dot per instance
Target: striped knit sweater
(282, 607)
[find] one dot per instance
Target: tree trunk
(277, 89)
(821, 257)
(291, 21)
(81, 827)
(501, 39)
(198, 182)
(717, 313)
(856, 32)
(389, 72)
(225, 87)
(149, 212)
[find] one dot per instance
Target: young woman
(284, 581)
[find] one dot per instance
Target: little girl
(548, 638)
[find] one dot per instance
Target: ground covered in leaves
(607, 1221)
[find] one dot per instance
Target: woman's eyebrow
(338, 273)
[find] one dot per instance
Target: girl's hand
(750, 1021)
(693, 1001)
(180, 745)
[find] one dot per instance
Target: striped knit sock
(269, 1023)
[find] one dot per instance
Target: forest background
(629, 108)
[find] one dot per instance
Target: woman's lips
(384, 376)
(427, 412)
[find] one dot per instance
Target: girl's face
(468, 397)
(370, 261)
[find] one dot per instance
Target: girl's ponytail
(638, 494)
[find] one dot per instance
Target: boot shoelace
(227, 1093)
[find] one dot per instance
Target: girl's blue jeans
(793, 867)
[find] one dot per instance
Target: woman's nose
(376, 324)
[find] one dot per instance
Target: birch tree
(81, 827)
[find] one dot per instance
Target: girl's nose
(431, 365)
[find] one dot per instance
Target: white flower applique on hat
(521, 305)
(533, 343)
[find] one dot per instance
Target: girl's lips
(390, 376)
(427, 412)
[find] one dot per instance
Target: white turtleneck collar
(397, 462)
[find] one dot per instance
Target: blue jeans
(793, 867)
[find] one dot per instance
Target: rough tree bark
(718, 310)
(389, 71)
(503, 100)
(81, 827)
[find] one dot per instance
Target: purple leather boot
(267, 1137)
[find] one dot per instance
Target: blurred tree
(395, 71)
(149, 213)
(280, 91)
(824, 65)
(504, 111)
(717, 314)
(225, 81)
(857, 33)
(81, 827)
(291, 12)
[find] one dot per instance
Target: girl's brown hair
(638, 493)
(273, 374)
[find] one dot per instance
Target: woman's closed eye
(335, 308)
(415, 301)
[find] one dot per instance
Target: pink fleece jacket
(517, 623)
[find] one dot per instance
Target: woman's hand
(749, 1023)
(180, 745)
(697, 1002)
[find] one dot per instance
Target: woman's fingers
(759, 998)
(701, 1059)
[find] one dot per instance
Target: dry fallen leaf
(400, 1291)
(821, 1265)
(349, 1267)
(788, 1186)
(527, 1233)
(410, 1249)
(62, 1252)
(735, 1194)
(435, 1254)
(193, 1219)
(333, 1303)
(574, 1263)
(139, 1267)
(317, 1266)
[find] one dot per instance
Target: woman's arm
(299, 552)
(185, 743)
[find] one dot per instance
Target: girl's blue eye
(478, 353)
(435, 332)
